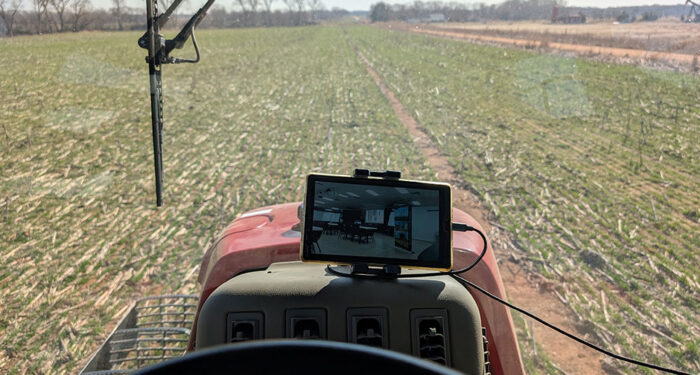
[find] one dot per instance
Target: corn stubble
(592, 168)
(80, 237)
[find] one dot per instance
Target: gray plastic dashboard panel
(296, 285)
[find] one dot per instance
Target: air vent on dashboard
(430, 335)
(309, 324)
(368, 326)
(244, 326)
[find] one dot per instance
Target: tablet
(377, 221)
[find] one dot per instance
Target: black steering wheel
(296, 357)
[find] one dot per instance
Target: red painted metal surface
(503, 343)
(269, 234)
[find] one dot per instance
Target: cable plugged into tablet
(461, 227)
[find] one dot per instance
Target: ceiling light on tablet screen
(401, 190)
(372, 192)
(353, 195)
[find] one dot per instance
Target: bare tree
(118, 11)
(315, 6)
(267, 4)
(290, 7)
(253, 6)
(289, 4)
(79, 9)
(40, 10)
(300, 5)
(216, 17)
(268, 11)
(59, 7)
(296, 6)
(8, 11)
(244, 12)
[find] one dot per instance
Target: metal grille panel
(155, 329)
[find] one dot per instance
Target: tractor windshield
(567, 129)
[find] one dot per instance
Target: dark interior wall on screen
(425, 223)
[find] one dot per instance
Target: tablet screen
(377, 221)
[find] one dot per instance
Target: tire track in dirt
(524, 288)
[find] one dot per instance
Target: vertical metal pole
(154, 70)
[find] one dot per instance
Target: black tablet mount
(388, 175)
(387, 271)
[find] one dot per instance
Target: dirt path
(525, 289)
(686, 60)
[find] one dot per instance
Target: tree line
(512, 10)
(18, 17)
(256, 13)
(50, 16)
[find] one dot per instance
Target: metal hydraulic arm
(159, 50)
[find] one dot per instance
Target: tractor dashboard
(433, 318)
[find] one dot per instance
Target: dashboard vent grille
(369, 332)
(430, 335)
(368, 326)
(306, 324)
(307, 329)
(431, 340)
(244, 326)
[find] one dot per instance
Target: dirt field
(664, 36)
(666, 45)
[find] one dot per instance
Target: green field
(601, 193)
(81, 236)
(594, 167)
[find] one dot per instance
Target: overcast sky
(365, 4)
